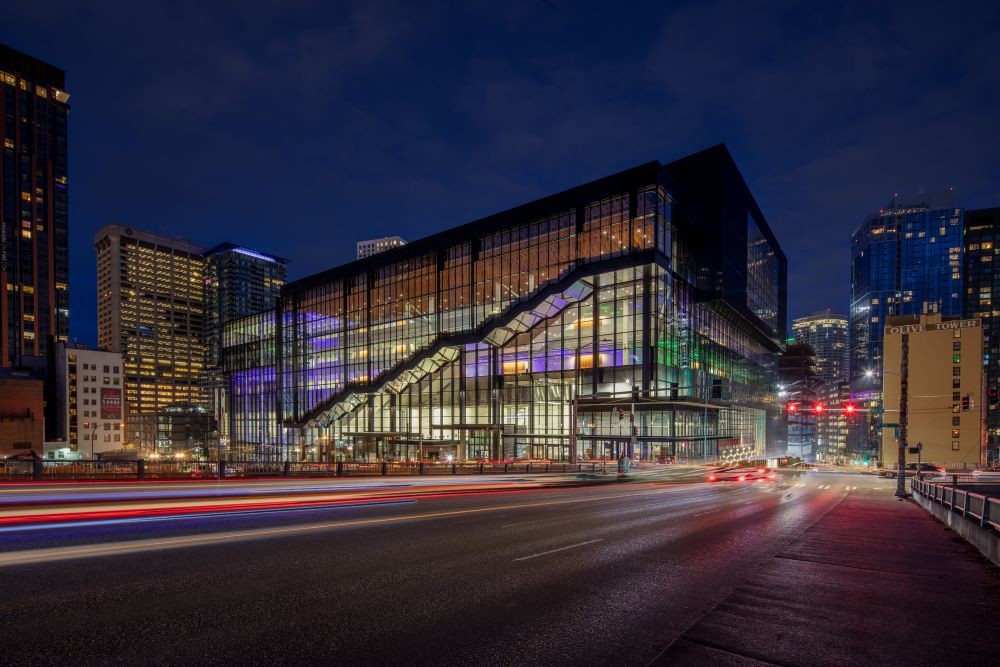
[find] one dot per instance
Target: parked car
(911, 470)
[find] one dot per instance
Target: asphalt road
(611, 574)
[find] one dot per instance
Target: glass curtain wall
(453, 353)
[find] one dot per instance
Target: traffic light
(849, 408)
(818, 408)
(792, 408)
(966, 402)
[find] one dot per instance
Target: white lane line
(708, 512)
(546, 553)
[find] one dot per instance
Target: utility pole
(903, 396)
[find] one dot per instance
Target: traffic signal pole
(903, 396)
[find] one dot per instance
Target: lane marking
(708, 512)
(552, 551)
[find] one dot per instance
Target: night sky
(298, 127)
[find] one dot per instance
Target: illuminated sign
(937, 326)
(111, 403)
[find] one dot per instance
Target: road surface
(612, 573)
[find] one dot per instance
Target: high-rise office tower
(34, 255)
(906, 259)
(826, 334)
(238, 282)
(151, 309)
(375, 246)
(982, 300)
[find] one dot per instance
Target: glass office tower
(637, 314)
(34, 207)
(982, 300)
(905, 260)
(238, 282)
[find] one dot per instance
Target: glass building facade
(905, 260)
(34, 207)
(639, 314)
(238, 282)
(982, 300)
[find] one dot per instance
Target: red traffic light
(818, 408)
(849, 408)
(792, 408)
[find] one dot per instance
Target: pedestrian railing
(979, 508)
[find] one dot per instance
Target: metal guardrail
(42, 470)
(977, 507)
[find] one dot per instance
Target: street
(611, 573)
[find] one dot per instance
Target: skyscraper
(982, 300)
(826, 334)
(151, 310)
(905, 260)
(238, 282)
(375, 246)
(34, 255)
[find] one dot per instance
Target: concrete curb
(985, 540)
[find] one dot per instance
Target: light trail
(135, 546)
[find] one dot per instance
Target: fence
(976, 507)
(41, 470)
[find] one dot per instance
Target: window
(956, 396)
(957, 333)
(954, 445)
(956, 421)
(955, 432)
(956, 346)
(956, 358)
(956, 370)
(956, 383)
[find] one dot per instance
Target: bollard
(454, 468)
(954, 480)
(385, 468)
(286, 469)
(420, 469)
(482, 466)
(140, 469)
(222, 469)
(340, 468)
(36, 469)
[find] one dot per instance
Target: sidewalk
(875, 581)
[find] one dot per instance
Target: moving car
(741, 475)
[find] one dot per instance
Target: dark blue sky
(297, 127)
